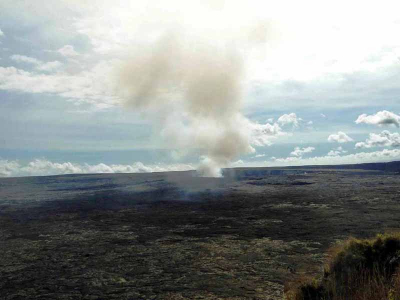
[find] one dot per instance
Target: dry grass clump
(359, 269)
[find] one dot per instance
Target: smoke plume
(190, 85)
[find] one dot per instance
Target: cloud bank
(361, 157)
(384, 139)
(25, 59)
(39, 65)
(42, 167)
(92, 86)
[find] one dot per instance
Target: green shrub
(358, 269)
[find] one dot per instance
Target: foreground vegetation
(359, 269)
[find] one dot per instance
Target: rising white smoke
(189, 82)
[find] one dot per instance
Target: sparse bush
(366, 269)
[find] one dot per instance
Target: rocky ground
(175, 236)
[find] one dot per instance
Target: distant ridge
(384, 167)
(393, 166)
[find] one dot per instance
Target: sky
(143, 86)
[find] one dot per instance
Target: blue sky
(321, 85)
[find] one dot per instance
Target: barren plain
(178, 236)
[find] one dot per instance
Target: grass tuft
(359, 269)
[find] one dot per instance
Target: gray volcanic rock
(176, 236)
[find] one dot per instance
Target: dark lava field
(177, 236)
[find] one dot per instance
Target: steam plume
(190, 85)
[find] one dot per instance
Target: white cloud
(50, 66)
(93, 86)
(333, 153)
(237, 163)
(39, 65)
(67, 50)
(298, 152)
(1, 32)
(339, 137)
(259, 155)
(7, 168)
(40, 167)
(337, 151)
(25, 59)
(380, 118)
(384, 139)
(362, 157)
(296, 30)
(289, 119)
(264, 134)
